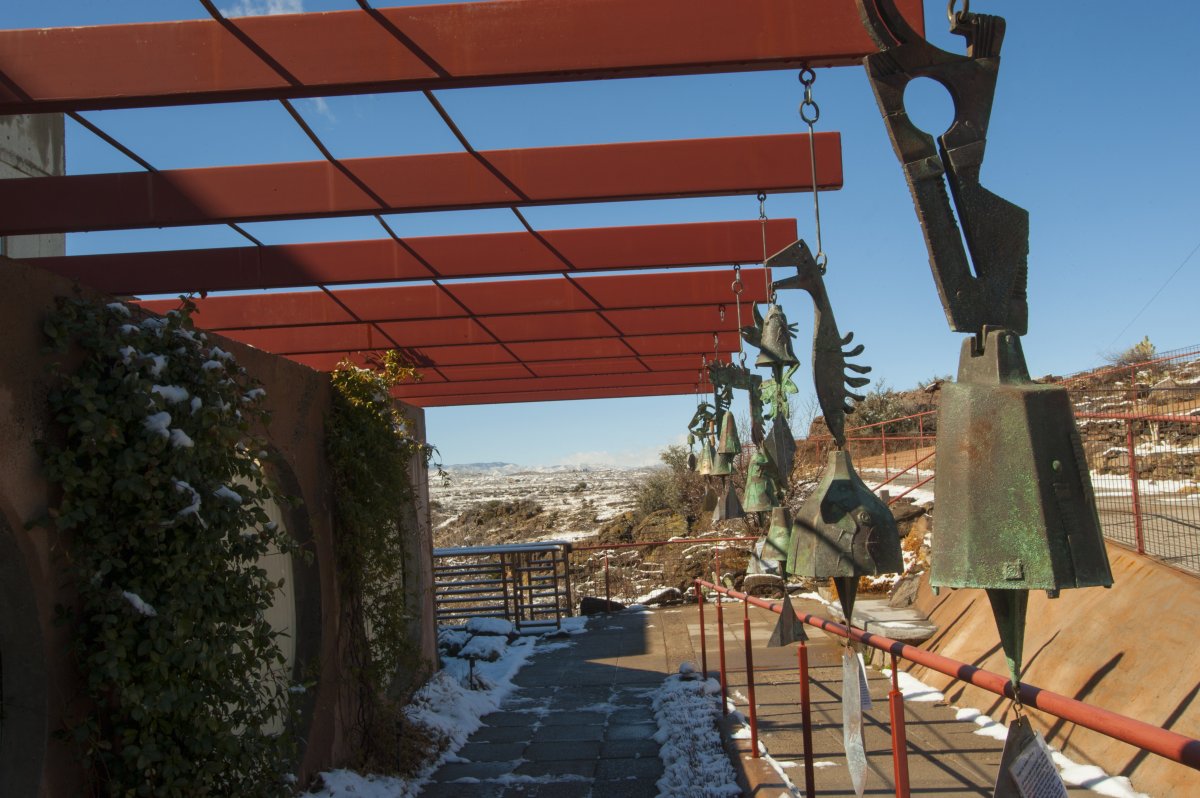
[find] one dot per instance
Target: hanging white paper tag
(1034, 772)
(852, 725)
(863, 688)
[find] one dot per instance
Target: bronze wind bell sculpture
(1015, 509)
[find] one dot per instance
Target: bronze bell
(728, 506)
(1015, 504)
(760, 494)
(779, 535)
(722, 465)
(843, 529)
(1016, 510)
(780, 446)
(775, 343)
(729, 442)
(705, 466)
(709, 502)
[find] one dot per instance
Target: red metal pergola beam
(498, 300)
(480, 255)
(327, 361)
(429, 47)
(533, 384)
(455, 400)
(407, 183)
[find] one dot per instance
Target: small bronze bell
(779, 535)
(788, 629)
(722, 465)
(705, 466)
(775, 340)
(728, 506)
(844, 531)
(780, 446)
(709, 502)
(729, 442)
(760, 493)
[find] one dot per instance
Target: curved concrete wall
(1129, 649)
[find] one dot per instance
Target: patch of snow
(489, 626)
(157, 364)
(139, 604)
(158, 423)
(228, 493)
(912, 688)
(488, 648)
(217, 353)
(194, 507)
(180, 439)
(118, 308)
(209, 365)
(127, 354)
(1093, 778)
(254, 393)
(694, 762)
(129, 329)
(196, 404)
(171, 393)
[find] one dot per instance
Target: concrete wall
(1129, 649)
(38, 677)
(32, 146)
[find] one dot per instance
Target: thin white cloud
(260, 8)
(322, 108)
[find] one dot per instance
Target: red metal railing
(1163, 742)
(895, 447)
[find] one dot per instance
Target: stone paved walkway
(580, 724)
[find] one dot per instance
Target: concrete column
(32, 145)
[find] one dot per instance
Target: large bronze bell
(775, 341)
(760, 493)
(1015, 505)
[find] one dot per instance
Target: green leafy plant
(160, 470)
(369, 447)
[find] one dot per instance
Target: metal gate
(528, 584)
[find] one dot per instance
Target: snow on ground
(1089, 777)
(449, 710)
(688, 709)
(1119, 485)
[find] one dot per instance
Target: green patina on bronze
(761, 492)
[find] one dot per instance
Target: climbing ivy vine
(161, 502)
(370, 444)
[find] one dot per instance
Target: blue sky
(1091, 132)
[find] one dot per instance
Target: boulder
(589, 605)
(904, 594)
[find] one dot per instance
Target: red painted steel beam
(507, 304)
(328, 361)
(480, 255)
(455, 400)
(408, 183)
(534, 384)
(437, 47)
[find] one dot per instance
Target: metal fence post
(703, 640)
(607, 591)
(1139, 540)
(899, 741)
(750, 681)
(721, 650)
(810, 789)
(883, 440)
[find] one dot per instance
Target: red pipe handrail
(1164, 742)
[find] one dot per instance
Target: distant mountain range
(513, 468)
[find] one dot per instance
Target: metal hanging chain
(737, 295)
(768, 289)
(810, 112)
